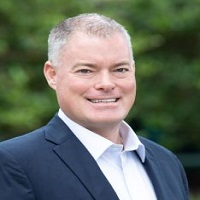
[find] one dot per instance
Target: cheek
(130, 92)
(72, 88)
(130, 86)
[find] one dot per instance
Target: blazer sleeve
(14, 183)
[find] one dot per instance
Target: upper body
(51, 163)
(92, 70)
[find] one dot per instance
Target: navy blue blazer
(52, 164)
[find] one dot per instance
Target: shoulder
(36, 144)
(154, 148)
(28, 141)
(164, 158)
(23, 144)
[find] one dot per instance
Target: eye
(122, 70)
(84, 71)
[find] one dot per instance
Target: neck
(111, 133)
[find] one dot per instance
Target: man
(87, 151)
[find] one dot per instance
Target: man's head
(91, 68)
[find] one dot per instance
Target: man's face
(95, 82)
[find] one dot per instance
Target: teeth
(103, 100)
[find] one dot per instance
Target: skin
(95, 82)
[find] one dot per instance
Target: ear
(50, 74)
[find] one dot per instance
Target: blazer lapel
(152, 169)
(79, 160)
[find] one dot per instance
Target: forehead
(81, 41)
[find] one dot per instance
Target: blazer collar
(78, 159)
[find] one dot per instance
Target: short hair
(89, 23)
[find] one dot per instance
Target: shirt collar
(97, 144)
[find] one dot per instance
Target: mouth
(113, 100)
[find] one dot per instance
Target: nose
(104, 82)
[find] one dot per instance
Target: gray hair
(89, 23)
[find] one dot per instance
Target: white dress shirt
(120, 165)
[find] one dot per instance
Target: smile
(103, 100)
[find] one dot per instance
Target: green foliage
(166, 41)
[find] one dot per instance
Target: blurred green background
(166, 42)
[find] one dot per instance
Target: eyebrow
(122, 63)
(84, 64)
